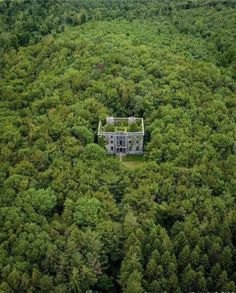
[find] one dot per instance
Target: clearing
(132, 161)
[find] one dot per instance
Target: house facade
(122, 135)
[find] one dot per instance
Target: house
(122, 135)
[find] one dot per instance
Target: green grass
(123, 126)
(132, 161)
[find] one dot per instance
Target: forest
(74, 219)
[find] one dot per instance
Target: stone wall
(119, 142)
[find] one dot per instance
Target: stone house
(122, 135)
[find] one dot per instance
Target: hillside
(74, 219)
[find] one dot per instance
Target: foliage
(87, 211)
(73, 219)
(82, 133)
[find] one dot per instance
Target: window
(111, 141)
(137, 148)
(111, 148)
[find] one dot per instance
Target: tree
(188, 279)
(83, 134)
(41, 200)
(184, 257)
(134, 283)
(87, 211)
(93, 152)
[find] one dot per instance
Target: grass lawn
(132, 161)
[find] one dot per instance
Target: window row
(119, 149)
(122, 142)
